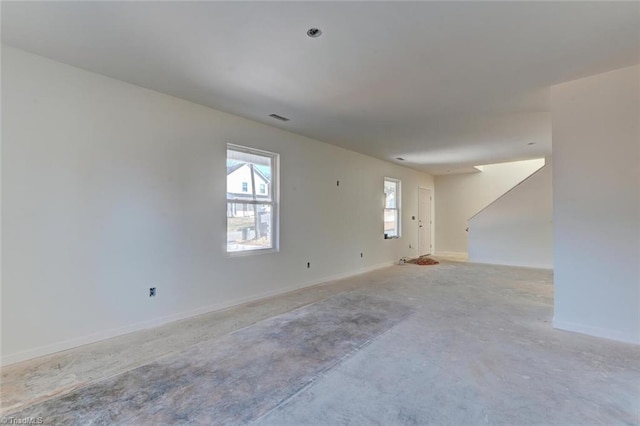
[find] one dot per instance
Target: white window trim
(275, 202)
(398, 207)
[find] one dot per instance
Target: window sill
(246, 253)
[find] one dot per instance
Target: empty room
(320, 213)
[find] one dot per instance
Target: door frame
(429, 205)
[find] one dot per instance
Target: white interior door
(424, 221)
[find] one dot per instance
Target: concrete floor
(478, 348)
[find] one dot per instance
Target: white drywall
(596, 173)
(462, 196)
(109, 189)
(517, 228)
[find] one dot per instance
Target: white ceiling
(445, 85)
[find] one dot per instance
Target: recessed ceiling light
(278, 117)
(400, 158)
(314, 32)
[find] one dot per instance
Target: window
(391, 208)
(252, 209)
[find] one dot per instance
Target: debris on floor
(423, 260)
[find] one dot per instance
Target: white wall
(596, 171)
(109, 189)
(517, 228)
(459, 197)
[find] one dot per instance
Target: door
(424, 221)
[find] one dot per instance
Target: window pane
(249, 227)
(249, 176)
(390, 191)
(251, 195)
(391, 222)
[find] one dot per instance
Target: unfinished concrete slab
(235, 378)
(478, 349)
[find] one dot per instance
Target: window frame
(397, 208)
(274, 201)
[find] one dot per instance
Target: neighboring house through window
(391, 208)
(252, 209)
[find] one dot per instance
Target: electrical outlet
(152, 292)
(409, 245)
(361, 255)
(308, 265)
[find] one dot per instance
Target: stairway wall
(460, 196)
(517, 228)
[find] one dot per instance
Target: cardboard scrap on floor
(423, 260)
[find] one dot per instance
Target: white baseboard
(459, 256)
(145, 325)
(515, 264)
(605, 333)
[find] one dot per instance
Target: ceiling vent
(278, 117)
